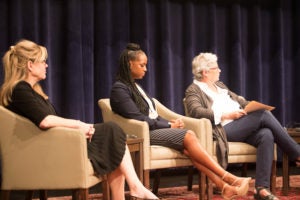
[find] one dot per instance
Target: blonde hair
(15, 67)
(200, 64)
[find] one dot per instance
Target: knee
(111, 124)
(266, 136)
(268, 116)
(190, 136)
(191, 133)
(114, 128)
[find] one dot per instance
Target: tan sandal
(227, 198)
(234, 183)
(138, 198)
(240, 191)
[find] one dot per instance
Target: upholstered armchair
(53, 159)
(239, 152)
(159, 157)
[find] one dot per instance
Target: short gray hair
(200, 64)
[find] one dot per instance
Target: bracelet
(170, 124)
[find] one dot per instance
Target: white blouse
(152, 111)
(222, 103)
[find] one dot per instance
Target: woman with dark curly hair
(131, 101)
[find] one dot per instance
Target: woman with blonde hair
(24, 66)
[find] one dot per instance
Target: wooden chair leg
(147, 178)
(156, 181)
(190, 178)
(273, 177)
(202, 186)
(5, 194)
(43, 195)
(80, 194)
(244, 170)
(209, 188)
(205, 187)
(285, 174)
(105, 190)
(29, 194)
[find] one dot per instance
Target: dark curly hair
(131, 53)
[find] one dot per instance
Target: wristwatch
(169, 124)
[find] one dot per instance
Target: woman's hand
(87, 129)
(234, 115)
(177, 123)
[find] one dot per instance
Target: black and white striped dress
(168, 137)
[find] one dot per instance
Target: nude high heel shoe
(241, 189)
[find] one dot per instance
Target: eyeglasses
(38, 61)
(213, 68)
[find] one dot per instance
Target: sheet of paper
(254, 105)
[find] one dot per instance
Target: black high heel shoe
(258, 196)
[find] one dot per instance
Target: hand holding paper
(254, 106)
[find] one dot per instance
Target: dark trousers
(261, 129)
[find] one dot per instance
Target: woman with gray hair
(209, 98)
(130, 100)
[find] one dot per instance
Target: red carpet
(181, 193)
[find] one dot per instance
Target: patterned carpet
(181, 193)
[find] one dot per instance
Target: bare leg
(116, 181)
(205, 163)
(136, 187)
(227, 190)
(298, 162)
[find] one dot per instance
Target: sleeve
(29, 104)
(198, 104)
(217, 117)
(122, 103)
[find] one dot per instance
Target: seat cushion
(240, 148)
(239, 152)
(162, 153)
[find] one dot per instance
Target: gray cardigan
(199, 105)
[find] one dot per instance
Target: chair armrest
(165, 112)
(202, 127)
(129, 126)
(203, 130)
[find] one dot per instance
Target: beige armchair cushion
(42, 159)
(161, 153)
(241, 153)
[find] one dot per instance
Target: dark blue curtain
(257, 42)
